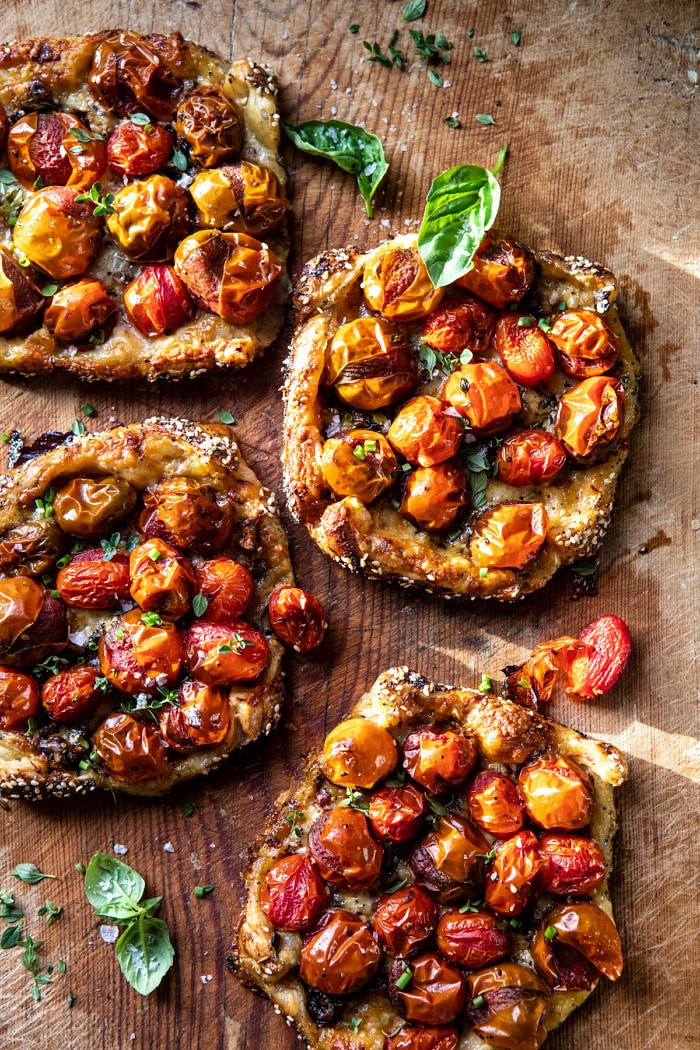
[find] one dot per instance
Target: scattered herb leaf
(30, 873)
(413, 10)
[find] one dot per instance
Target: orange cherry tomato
(371, 364)
(530, 457)
(442, 1037)
(201, 717)
(346, 854)
(228, 587)
(472, 939)
(525, 350)
(242, 197)
(461, 322)
(589, 418)
(138, 149)
(484, 394)
(88, 507)
(19, 699)
(494, 803)
(162, 579)
(341, 955)
(358, 754)
(55, 149)
(397, 813)
(32, 548)
(211, 126)
(33, 624)
(150, 218)
(534, 683)
(510, 536)
(600, 658)
(78, 309)
(574, 944)
(293, 893)
(586, 344)
(439, 760)
(424, 433)
(157, 301)
(225, 654)
(58, 233)
(574, 865)
(21, 302)
(502, 272)
(405, 920)
(434, 496)
(90, 580)
(138, 656)
(72, 695)
(511, 878)
(359, 463)
(449, 861)
(396, 285)
(131, 751)
(507, 1006)
(127, 75)
(231, 274)
(556, 793)
(297, 618)
(435, 993)
(187, 513)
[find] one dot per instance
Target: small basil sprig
(461, 206)
(144, 951)
(352, 148)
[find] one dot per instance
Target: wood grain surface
(599, 106)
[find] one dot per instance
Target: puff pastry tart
(142, 208)
(468, 439)
(136, 649)
(439, 879)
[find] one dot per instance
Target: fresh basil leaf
(113, 888)
(350, 147)
(413, 10)
(151, 905)
(145, 954)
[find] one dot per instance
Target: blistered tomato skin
(135, 150)
(231, 274)
(556, 793)
(435, 994)
(511, 878)
(358, 753)
(449, 861)
(424, 1037)
(162, 579)
(494, 803)
(201, 717)
(211, 126)
(346, 854)
(78, 309)
(434, 496)
(472, 939)
(608, 645)
(585, 944)
(524, 349)
(510, 536)
(341, 955)
(396, 285)
(46, 147)
(573, 865)
(460, 323)
(501, 274)
(90, 581)
(127, 75)
(405, 920)
(186, 513)
(137, 657)
(227, 586)
(151, 216)
(32, 548)
(439, 760)
(20, 300)
(242, 198)
(297, 618)
(58, 233)
(371, 364)
(33, 624)
(224, 654)
(397, 813)
(511, 1003)
(19, 699)
(589, 418)
(530, 457)
(72, 695)
(359, 463)
(130, 750)
(294, 893)
(157, 301)
(90, 507)
(586, 344)
(484, 394)
(424, 433)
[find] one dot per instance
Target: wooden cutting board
(599, 106)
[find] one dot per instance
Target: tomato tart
(142, 208)
(146, 597)
(468, 439)
(440, 878)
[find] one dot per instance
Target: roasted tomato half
(57, 232)
(139, 652)
(534, 683)
(371, 364)
(151, 216)
(211, 126)
(131, 750)
(438, 759)
(297, 618)
(510, 536)
(243, 197)
(525, 350)
(574, 944)
(72, 695)
(32, 623)
(589, 418)
(424, 1037)
(507, 1006)
(293, 893)
(424, 433)
(434, 496)
(557, 793)
(227, 586)
(396, 285)
(137, 149)
(200, 718)
(89, 507)
(78, 309)
(32, 548)
(19, 699)
(187, 513)
(127, 75)
(20, 300)
(341, 955)
(473, 938)
(224, 654)
(162, 579)
(405, 920)
(573, 865)
(359, 463)
(502, 272)
(397, 813)
(449, 861)
(511, 878)
(342, 846)
(494, 803)
(231, 274)
(530, 457)
(57, 150)
(600, 658)
(484, 394)
(461, 322)
(428, 990)
(93, 580)
(157, 301)
(358, 753)
(586, 344)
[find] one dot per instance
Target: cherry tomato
(55, 149)
(574, 944)
(510, 536)
(371, 364)
(534, 683)
(20, 300)
(201, 717)
(72, 695)
(589, 418)
(294, 893)
(494, 803)
(556, 793)
(397, 813)
(443, 1037)
(297, 618)
(150, 218)
(358, 753)
(484, 394)
(243, 197)
(606, 645)
(359, 463)
(396, 285)
(162, 579)
(449, 861)
(341, 955)
(58, 233)
(225, 654)
(187, 513)
(92, 581)
(89, 507)
(424, 433)
(525, 350)
(574, 865)
(138, 149)
(434, 496)
(78, 309)
(530, 457)
(507, 1006)
(157, 301)
(586, 344)
(438, 759)
(33, 624)
(228, 587)
(405, 920)
(137, 656)
(472, 939)
(511, 877)
(461, 322)
(131, 750)
(346, 854)
(32, 548)
(502, 272)
(211, 126)
(19, 699)
(127, 75)
(435, 993)
(231, 274)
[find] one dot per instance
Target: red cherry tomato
(131, 751)
(595, 671)
(346, 853)
(472, 939)
(91, 581)
(223, 654)
(201, 717)
(157, 300)
(439, 760)
(228, 587)
(435, 993)
(502, 272)
(442, 1037)
(397, 813)
(556, 793)
(449, 861)
(461, 322)
(494, 803)
(294, 893)
(405, 920)
(19, 699)
(139, 656)
(72, 695)
(297, 618)
(341, 955)
(589, 418)
(525, 350)
(511, 878)
(573, 865)
(530, 457)
(138, 149)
